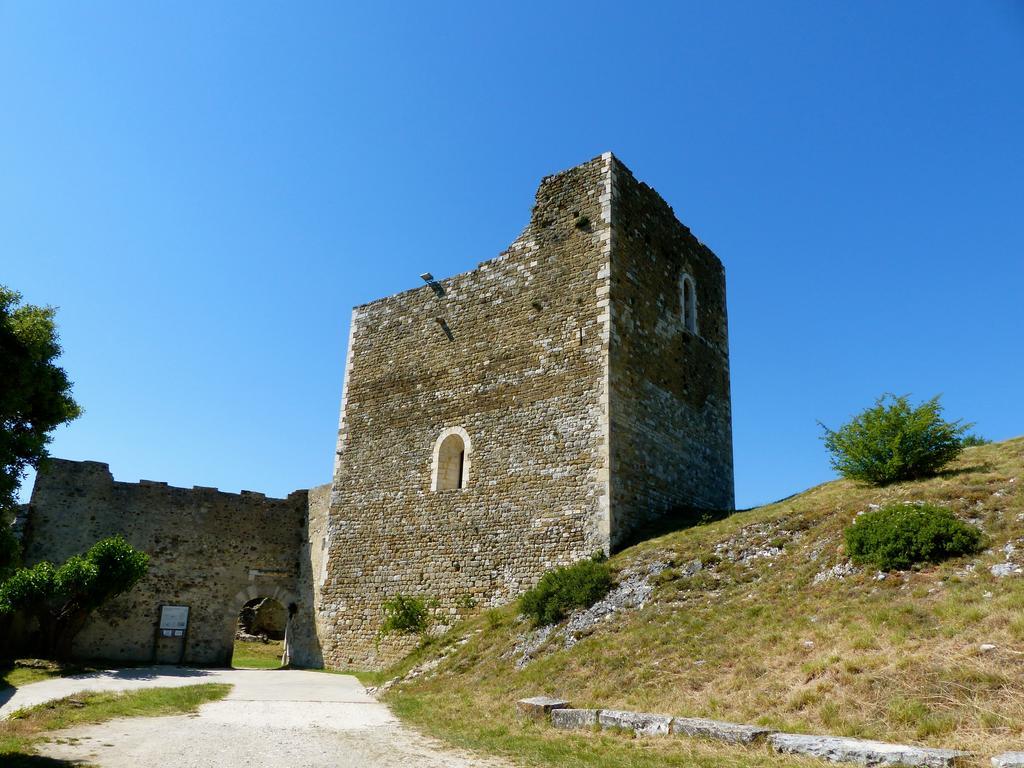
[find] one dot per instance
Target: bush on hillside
(894, 441)
(406, 615)
(900, 535)
(972, 440)
(563, 590)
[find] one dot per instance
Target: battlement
(98, 472)
(209, 549)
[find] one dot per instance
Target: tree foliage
(35, 397)
(894, 441)
(62, 597)
(900, 535)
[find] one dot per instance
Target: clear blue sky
(206, 189)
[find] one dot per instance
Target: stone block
(573, 719)
(1009, 760)
(539, 707)
(864, 752)
(641, 723)
(731, 733)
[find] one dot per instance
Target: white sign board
(173, 620)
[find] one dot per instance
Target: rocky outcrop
(863, 752)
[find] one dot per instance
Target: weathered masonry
(545, 405)
(553, 402)
(209, 551)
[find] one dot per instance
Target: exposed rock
(839, 571)
(1009, 760)
(759, 541)
(632, 592)
(641, 723)
(1000, 570)
(539, 707)
(871, 753)
(573, 719)
(986, 647)
(529, 643)
(732, 733)
(690, 569)
(426, 668)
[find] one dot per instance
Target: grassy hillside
(771, 628)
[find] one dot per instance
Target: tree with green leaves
(61, 598)
(35, 398)
(894, 441)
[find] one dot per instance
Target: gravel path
(270, 719)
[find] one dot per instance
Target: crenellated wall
(209, 550)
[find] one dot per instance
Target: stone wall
(209, 550)
(304, 637)
(671, 423)
(512, 353)
(494, 425)
(587, 410)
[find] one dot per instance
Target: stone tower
(522, 415)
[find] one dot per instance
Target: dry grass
(897, 659)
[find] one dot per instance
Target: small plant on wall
(407, 615)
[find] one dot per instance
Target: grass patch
(257, 655)
(527, 743)
(765, 639)
(14, 674)
(25, 728)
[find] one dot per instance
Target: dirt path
(270, 719)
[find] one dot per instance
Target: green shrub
(972, 440)
(494, 618)
(406, 615)
(893, 441)
(900, 535)
(561, 591)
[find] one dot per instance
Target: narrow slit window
(688, 304)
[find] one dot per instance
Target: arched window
(451, 460)
(688, 303)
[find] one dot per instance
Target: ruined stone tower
(523, 415)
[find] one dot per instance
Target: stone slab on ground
(1009, 760)
(864, 752)
(539, 707)
(731, 733)
(641, 723)
(573, 719)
